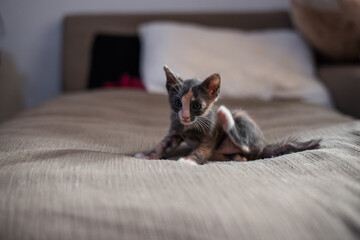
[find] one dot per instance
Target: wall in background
(33, 32)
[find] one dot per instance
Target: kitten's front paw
(150, 156)
(141, 156)
(187, 161)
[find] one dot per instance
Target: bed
(67, 169)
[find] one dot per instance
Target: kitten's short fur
(214, 134)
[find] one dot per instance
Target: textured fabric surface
(66, 172)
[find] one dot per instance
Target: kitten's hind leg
(218, 157)
(239, 158)
(225, 158)
(227, 122)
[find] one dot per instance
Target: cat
(215, 134)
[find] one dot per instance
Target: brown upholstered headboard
(79, 31)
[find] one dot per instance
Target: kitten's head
(191, 99)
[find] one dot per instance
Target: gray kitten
(214, 134)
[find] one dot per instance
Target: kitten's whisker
(208, 121)
(200, 128)
(197, 127)
(204, 121)
(202, 124)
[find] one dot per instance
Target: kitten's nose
(186, 118)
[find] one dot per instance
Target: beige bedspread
(66, 172)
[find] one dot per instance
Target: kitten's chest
(193, 139)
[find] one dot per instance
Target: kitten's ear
(172, 79)
(212, 85)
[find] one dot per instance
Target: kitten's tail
(289, 145)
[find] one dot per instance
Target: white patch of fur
(245, 149)
(187, 161)
(188, 125)
(229, 123)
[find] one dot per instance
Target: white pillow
(263, 64)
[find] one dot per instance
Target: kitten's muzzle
(184, 116)
(185, 119)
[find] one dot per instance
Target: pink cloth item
(125, 81)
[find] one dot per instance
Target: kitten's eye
(196, 106)
(178, 103)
